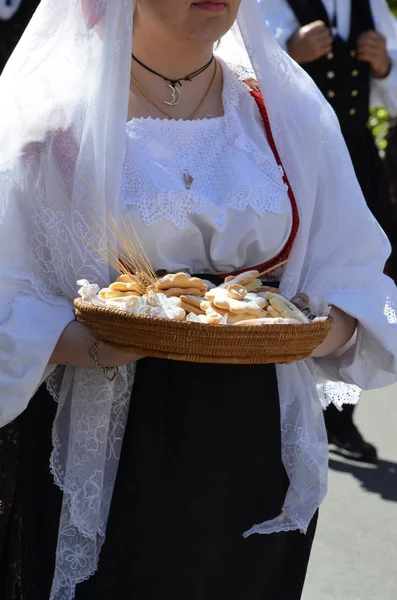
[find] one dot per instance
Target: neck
(169, 57)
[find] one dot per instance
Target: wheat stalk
(125, 252)
(282, 263)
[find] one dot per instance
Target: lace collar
(230, 171)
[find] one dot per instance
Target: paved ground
(355, 554)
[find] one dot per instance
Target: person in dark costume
(14, 17)
(349, 48)
(174, 480)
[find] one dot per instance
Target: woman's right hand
(110, 356)
(73, 349)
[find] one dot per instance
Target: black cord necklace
(175, 84)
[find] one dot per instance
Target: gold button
(331, 94)
(353, 53)
(330, 74)
(355, 73)
(355, 93)
(352, 112)
(330, 55)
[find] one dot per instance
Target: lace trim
(243, 177)
(338, 394)
(284, 522)
(92, 433)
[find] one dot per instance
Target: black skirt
(200, 464)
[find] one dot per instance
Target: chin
(210, 27)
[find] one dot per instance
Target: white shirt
(236, 213)
(282, 21)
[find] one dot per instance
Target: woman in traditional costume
(174, 480)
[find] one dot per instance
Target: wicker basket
(195, 342)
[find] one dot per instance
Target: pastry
(242, 279)
(285, 308)
(108, 294)
(273, 312)
(271, 321)
(124, 277)
(215, 292)
(183, 292)
(125, 286)
(251, 304)
(192, 304)
(215, 314)
(236, 291)
(180, 280)
(253, 285)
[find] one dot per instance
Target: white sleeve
(280, 18)
(28, 335)
(344, 263)
(384, 91)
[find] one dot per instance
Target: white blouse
(236, 213)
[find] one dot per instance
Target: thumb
(317, 25)
(301, 301)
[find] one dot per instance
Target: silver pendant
(188, 179)
(176, 96)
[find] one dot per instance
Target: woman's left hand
(342, 331)
(372, 48)
(301, 301)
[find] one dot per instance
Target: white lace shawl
(63, 107)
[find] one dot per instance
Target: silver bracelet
(109, 372)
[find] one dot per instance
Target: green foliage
(378, 123)
(393, 5)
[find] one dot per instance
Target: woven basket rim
(87, 307)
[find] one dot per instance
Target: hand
(109, 356)
(309, 43)
(301, 301)
(73, 346)
(371, 48)
(342, 331)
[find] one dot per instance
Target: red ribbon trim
(286, 251)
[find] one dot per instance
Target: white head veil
(64, 102)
